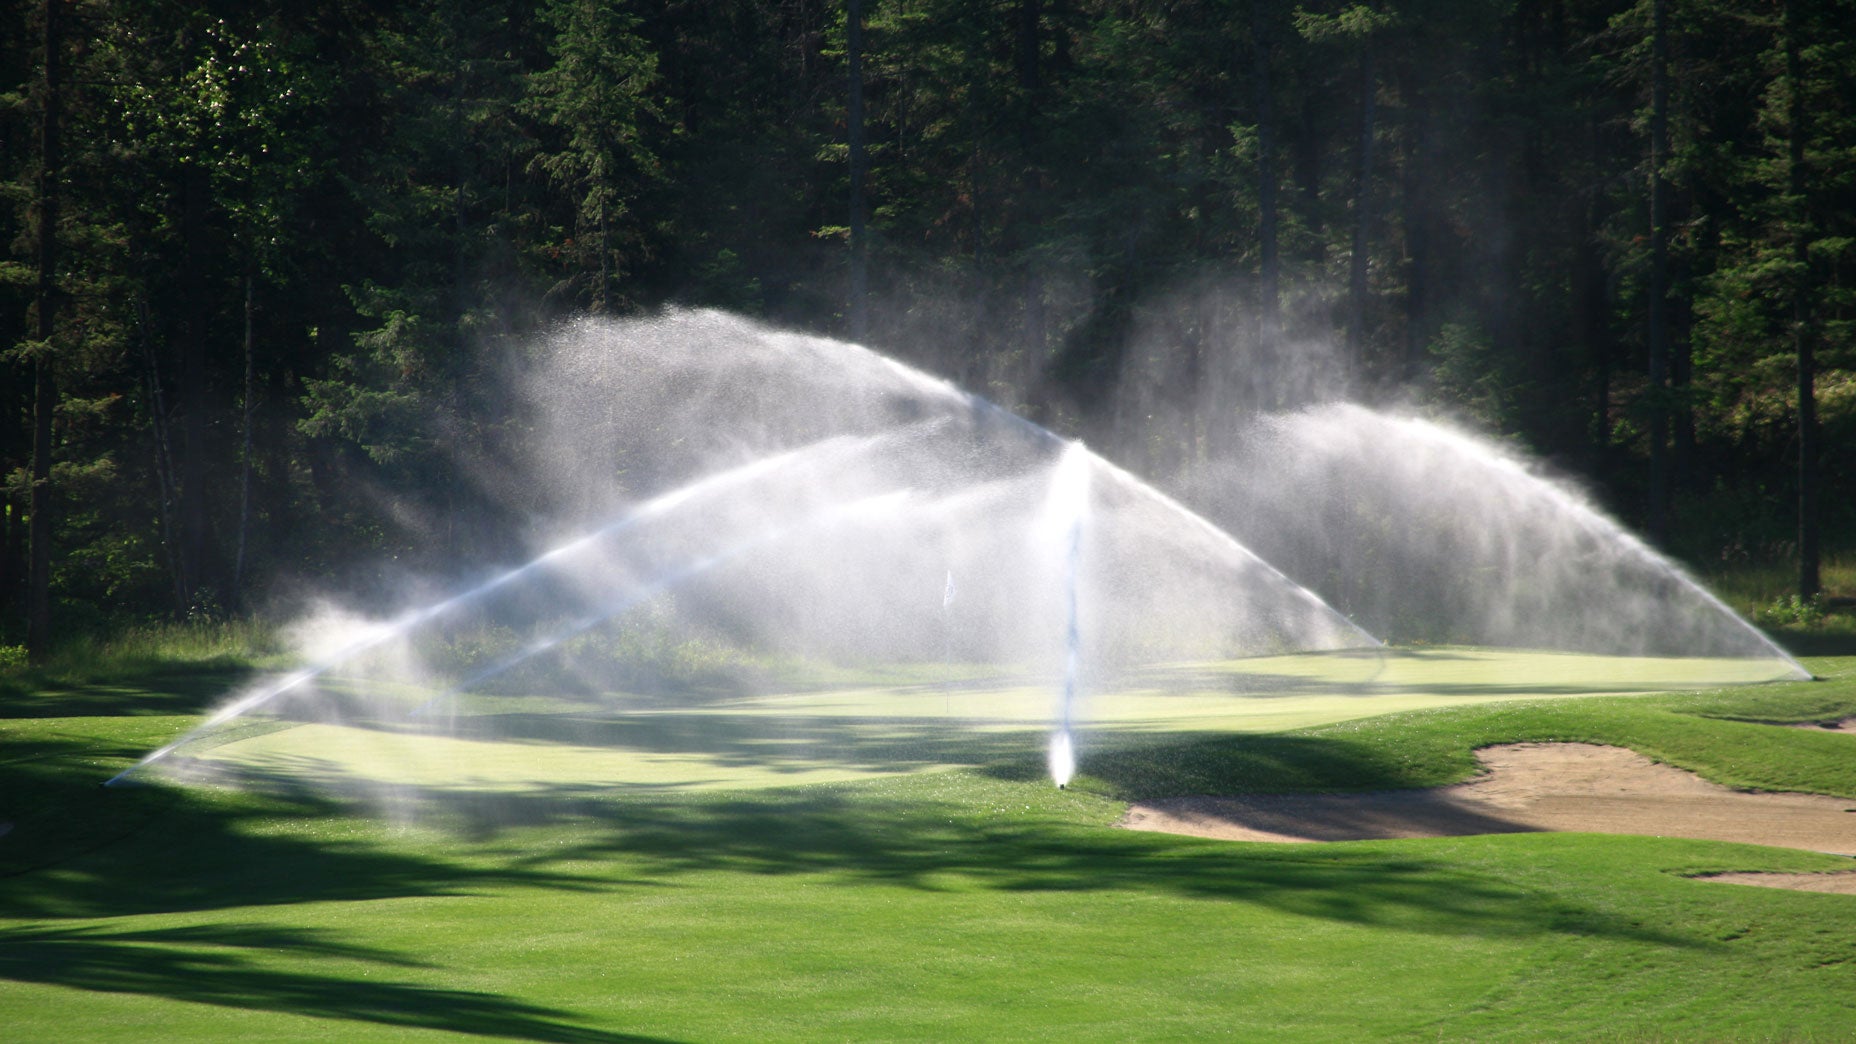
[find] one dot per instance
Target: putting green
(503, 743)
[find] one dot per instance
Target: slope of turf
(979, 904)
(1724, 734)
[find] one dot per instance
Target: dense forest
(266, 262)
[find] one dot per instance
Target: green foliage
(598, 96)
(375, 400)
(1765, 592)
(1350, 23)
(1790, 610)
(408, 191)
(1471, 376)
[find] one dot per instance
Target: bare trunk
(1269, 264)
(165, 475)
(1658, 332)
(1030, 81)
(44, 385)
(1589, 309)
(1681, 371)
(1417, 225)
(191, 390)
(1804, 339)
(854, 48)
(1362, 205)
(12, 542)
(244, 456)
(39, 525)
(601, 297)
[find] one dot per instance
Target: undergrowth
(144, 648)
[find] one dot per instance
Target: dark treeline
(266, 262)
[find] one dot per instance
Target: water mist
(762, 522)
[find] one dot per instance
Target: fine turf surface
(857, 727)
(977, 903)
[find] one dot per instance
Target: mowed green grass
(973, 903)
(856, 728)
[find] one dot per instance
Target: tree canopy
(265, 261)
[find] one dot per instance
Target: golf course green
(778, 866)
(879, 724)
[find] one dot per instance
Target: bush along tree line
(266, 262)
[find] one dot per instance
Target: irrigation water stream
(802, 511)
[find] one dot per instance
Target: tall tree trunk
(1658, 331)
(44, 386)
(244, 454)
(192, 388)
(860, 276)
(1416, 169)
(1030, 82)
(11, 543)
(1804, 337)
(461, 154)
(1269, 264)
(1590, 304)
(166, 479)
(600, 302)
(1362, 203)
(1681, 361)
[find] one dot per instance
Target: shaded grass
(955, 905)
(1748, 586)
(168, 662)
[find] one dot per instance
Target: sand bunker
(1843, 725)
(1842, 882)
(1530, 787)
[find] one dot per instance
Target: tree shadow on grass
(853, 837)
(123, 851)
(1211, 763)
(156, 688)
(78, 850)
(902, 834)
(166, 850)
(224, 965)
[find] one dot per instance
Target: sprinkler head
(1063, 786)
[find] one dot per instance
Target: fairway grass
(848, 731)
(976, 903)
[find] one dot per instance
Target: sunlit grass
(818, 734)
(964, 904)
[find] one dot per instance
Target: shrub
(1790, 611)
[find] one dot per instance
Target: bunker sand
(1533, 787)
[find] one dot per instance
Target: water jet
(786, 611)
